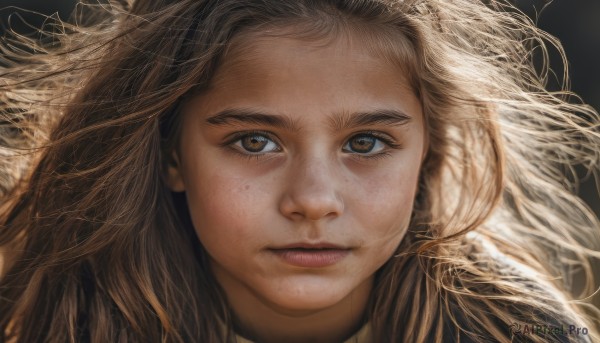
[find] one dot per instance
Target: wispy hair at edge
(97, 246)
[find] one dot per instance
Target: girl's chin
(302, 306)
(297, 298)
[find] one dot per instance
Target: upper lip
(301, 245)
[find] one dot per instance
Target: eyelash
(385, 139)
(236, 137)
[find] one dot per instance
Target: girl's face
(300, 166)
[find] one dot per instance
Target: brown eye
(367, 144)
(362, 144)
(256, 143)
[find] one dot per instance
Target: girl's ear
(174, 177)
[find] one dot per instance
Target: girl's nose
(311, 193)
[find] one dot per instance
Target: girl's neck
(260, 321)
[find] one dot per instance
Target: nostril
(296, 216)
(311, 208)
(311, 193)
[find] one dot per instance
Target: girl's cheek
(223, 201)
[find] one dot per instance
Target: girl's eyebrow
(341, 121)
(391, 117)
(250, 116)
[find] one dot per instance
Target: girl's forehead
(263, 51)
(306, 79)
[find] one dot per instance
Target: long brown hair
(98, 249)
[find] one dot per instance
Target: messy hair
(97, 248)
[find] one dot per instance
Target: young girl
(293, 171)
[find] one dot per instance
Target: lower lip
(311, 258)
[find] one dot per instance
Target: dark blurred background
(575, 22)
